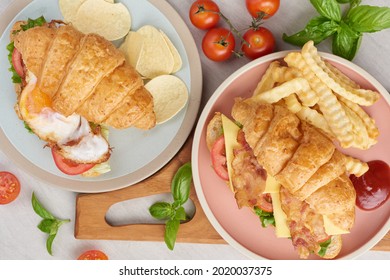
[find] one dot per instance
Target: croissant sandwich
(285, 167)
(71, 85)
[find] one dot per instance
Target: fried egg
(72, 135)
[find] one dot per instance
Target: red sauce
(373, 187)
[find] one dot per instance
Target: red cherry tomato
(261, 42)
(9, 187)
(17, 62)
(218, 158)
(270, 7)
(218, 44)
(201, 17)
(93, 255)
(266, 203)
(69, 167)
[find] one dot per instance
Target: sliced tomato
(324, 238)
(218, 158)
(266, 202)
(9, 187)
(17, 62)
(69, 167)
(93, 255)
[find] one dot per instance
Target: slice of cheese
(230, 131)
(281, 227)
(331, 228)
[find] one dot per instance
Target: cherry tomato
(9, 187)
(93, 255)
(17, 62)
(218, 158)
(218, 44)
(261, 42)
(69, 167)
(270, 7)
(203, 19)
(266, 202)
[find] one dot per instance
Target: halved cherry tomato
(201, 17)
(218, 158)
(93, 255)
(270, 7)
(17, 62)
(68, 166)
(218, 44)
(9, 187)
(266, 202)
(261, 42)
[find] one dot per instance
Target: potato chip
(155, 58)
(170, 95)
(177, 61)
(69, 9)
(132, 47)
(361, 96)
(111, 21)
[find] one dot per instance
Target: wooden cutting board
(91, 210)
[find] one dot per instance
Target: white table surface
(21, 240)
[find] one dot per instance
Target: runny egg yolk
(36, 100)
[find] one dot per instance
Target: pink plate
(240, 227)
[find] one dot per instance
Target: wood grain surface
(91, 210)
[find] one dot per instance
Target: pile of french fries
(320, 94)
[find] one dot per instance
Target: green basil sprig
(49, 224)
(347, 30)
(174, 212)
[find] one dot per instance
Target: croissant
(305, 162)
(87, 75)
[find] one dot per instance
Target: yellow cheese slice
(271, 185)
(230, 131)
(281, 228)
(331, 228)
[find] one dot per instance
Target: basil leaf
(344, 1)
(46, 225)
(266, 218)
(49, 243)
(181, 184)
(324, 246)
(39, 209)
(180, 214)
(329, 9)
(161, 210)
(346, 42)
(369, 18)
(317, 29)
(171, 229)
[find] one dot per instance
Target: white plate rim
(198, 132)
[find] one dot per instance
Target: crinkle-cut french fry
(315, 119)
(296, 85)
(283, 74)
(361, 96)
(268, 80)
(355, 166)
(293, 103)
(361, 138)
(339, 76)
(372, 129)
(331, 108)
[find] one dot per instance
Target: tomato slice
(17, 62)
(93, 255)
(69, 167)
(218, 158)
(266, 202)
(9, 187)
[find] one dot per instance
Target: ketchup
(373, 187)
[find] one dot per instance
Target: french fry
(361, 138)
(292, 103)
(361, 96)
(331, 108)
(355, 166)
(316, 119)
(268, 80)
(339, 76)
